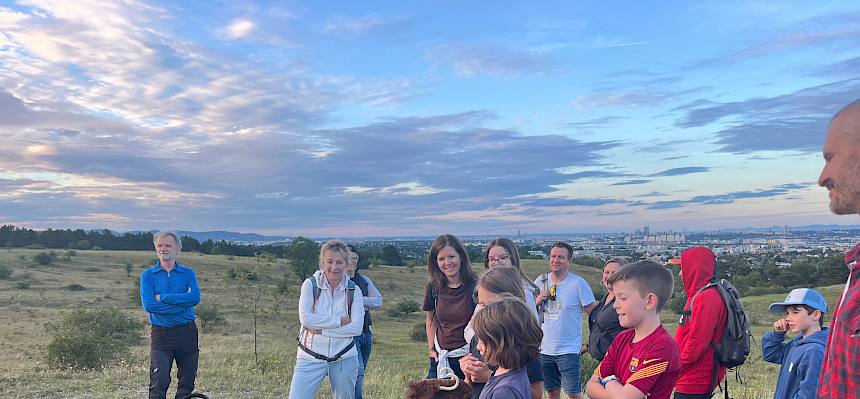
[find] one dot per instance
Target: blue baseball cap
(801, 296)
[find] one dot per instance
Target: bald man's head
(841, 173)
(846, 122)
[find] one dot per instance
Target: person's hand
(584, 349)
(780, 326)
(345, 320)
(158, 297)
(541, 297)
(477, 370)
(315, 330)
(433, 354)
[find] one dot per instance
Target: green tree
(303, 254)
(390, 256)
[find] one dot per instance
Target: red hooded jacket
(705, 324)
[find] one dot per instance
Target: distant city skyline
(414, 119)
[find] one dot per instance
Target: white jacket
(326, 315)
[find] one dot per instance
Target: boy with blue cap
(801, 358)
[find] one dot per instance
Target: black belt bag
(323, 357)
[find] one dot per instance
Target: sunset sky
(416, 118)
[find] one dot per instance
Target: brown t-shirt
(455, 308)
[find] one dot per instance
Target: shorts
(561, 371)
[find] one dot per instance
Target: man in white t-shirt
(563, 298)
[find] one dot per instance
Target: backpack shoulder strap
(689, 310)
(350, 286)
(316, 290)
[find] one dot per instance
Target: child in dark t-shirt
(643, 361)
(509, 337)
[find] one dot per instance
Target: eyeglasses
(500, 259)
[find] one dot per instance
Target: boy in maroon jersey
(643, 361)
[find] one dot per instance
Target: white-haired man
(169, 292)
(840, 377)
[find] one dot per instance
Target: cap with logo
(801, 296)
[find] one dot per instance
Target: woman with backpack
(331, 314)
(449, 301)
(603, 324)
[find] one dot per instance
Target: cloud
(791, 122)
(622, 97)
(592, 174)
(556, 202)
(832, 31)
(351, 27)
(846, 68)
(631, 182)
(597, 123)
(471, 60)
(727, 198)
(681, 171)
(240, 28)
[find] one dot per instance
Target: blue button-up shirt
(178, 293)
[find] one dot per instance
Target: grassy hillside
(227, 368)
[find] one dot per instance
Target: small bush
(43, 258)
(92, 269)
(283, 287)
(89, 339)
(677, 302)
(35, 246)
(128, 269)
(404, 308)
(5, 272)
(209, 316)
(23, 285)
(75, 287)
(418, 333)
(71, 252)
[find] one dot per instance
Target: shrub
(283, 286)
(75, 287)
(128, 269)
(418, 333)
(89, 339)
(70, 253)
(5, 272)
(23, 285)
(403, 308)
(209, 316)
(677, 302)
(43, 258)
(92, 269)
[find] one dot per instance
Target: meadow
(227, 365)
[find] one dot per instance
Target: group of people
(511, 337)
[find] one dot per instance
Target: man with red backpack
(701, 325)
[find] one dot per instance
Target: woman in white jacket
(331, 314)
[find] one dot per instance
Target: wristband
(606, 380)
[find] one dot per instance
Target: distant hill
(231, 236)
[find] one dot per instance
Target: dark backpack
(350, 286)
(733, 349)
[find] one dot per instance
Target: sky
(419, 118)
